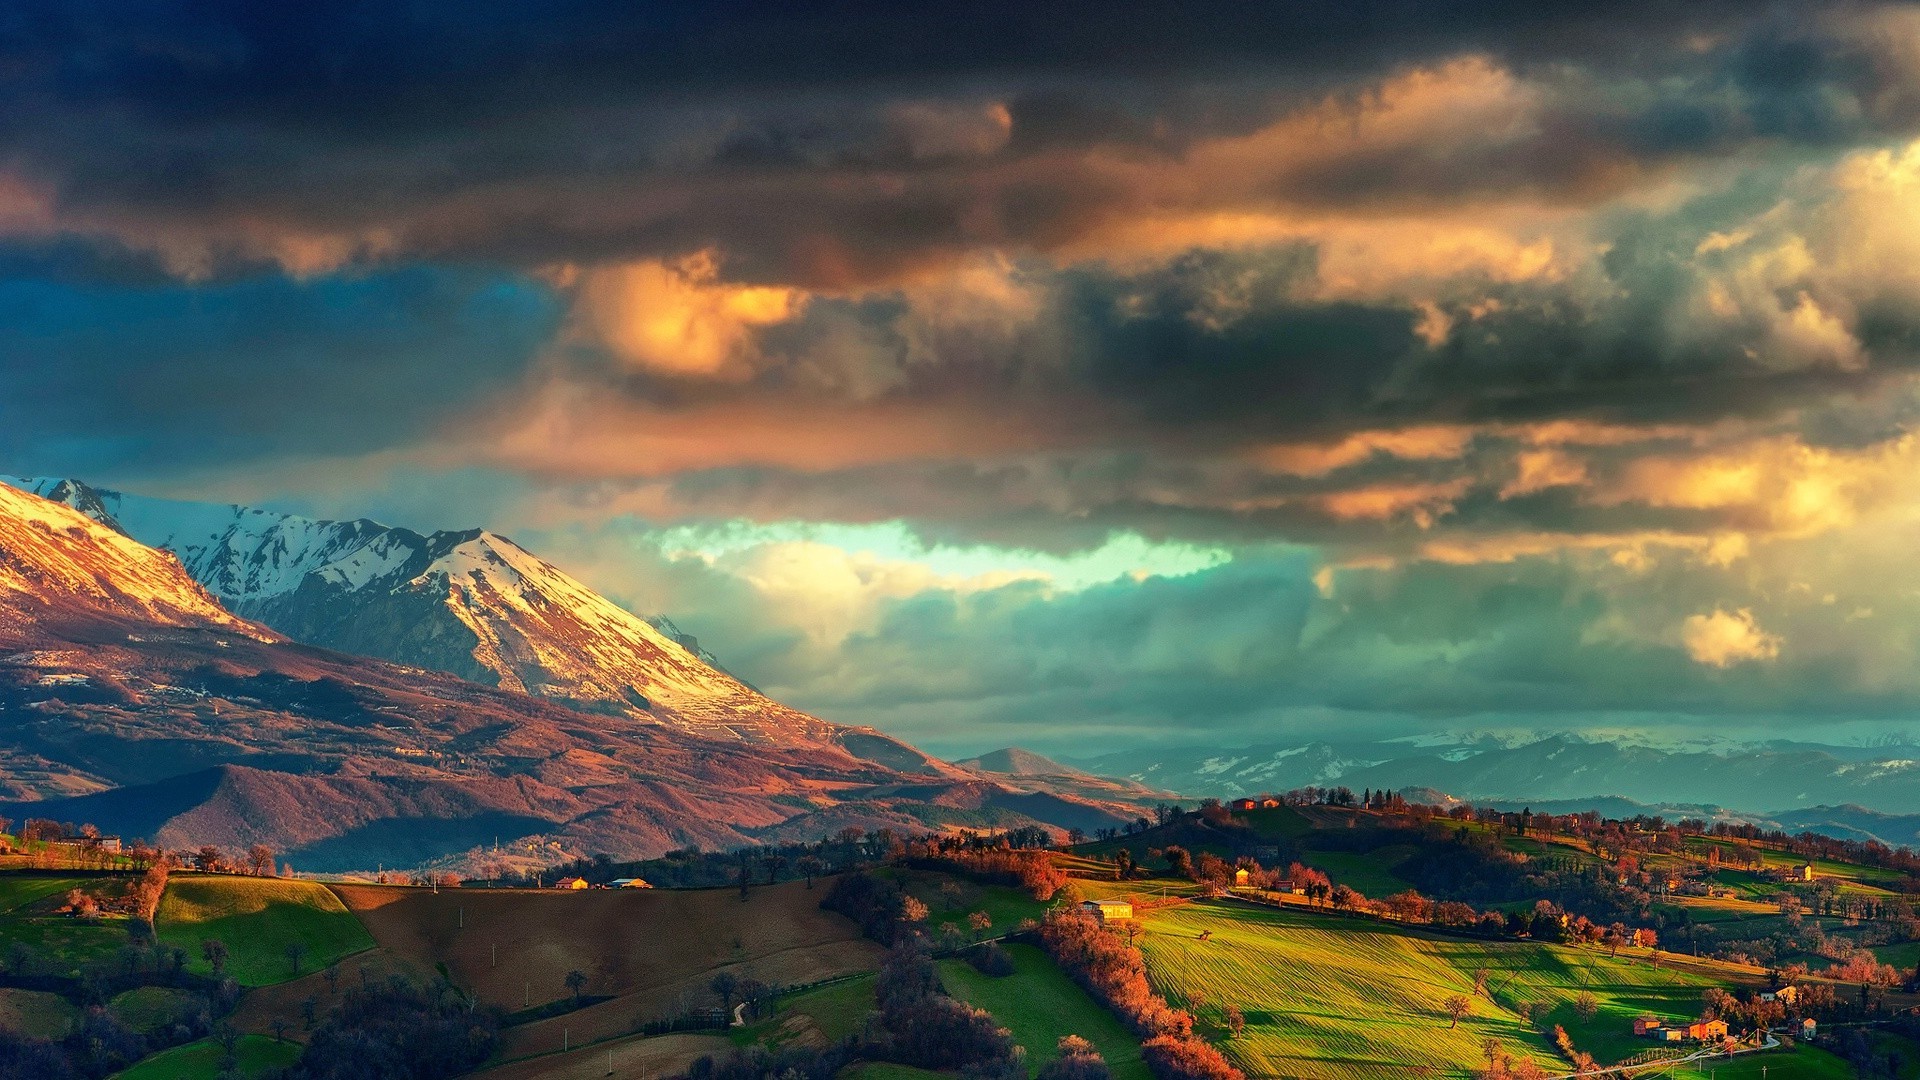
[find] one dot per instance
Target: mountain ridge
(471, 603)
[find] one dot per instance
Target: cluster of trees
(1030, 870)
(691, 867)
(884, 911)
(1114, 972)
(99, 1045)
(921, 1025)
(399, 1031)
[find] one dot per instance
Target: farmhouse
(1240, 878)
(1107, 911)
(1707, 1030)
(1787, 994)
(572, 883)
(1648, 1026)
(1246, 804)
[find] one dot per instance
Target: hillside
(129, 699)
(1026, 770)
(470, 603)
(1335, 999)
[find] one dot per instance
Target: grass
(256, 1054)
(835, 1011)
(151, 1007)
(35, 1013)
(1339, 999)
(63, 944)
(1905, 956)
(1804, 1063)
(257, 918)
(1369, 872)
(1038, 1003)
(1276, 822)
(19, 890)
(886, 1070)
(1005, 905)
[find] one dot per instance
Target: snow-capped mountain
(55, 565)
(473, 604)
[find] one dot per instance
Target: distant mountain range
(132, 698)
(1835, 790)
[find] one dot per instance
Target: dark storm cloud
(819, 145)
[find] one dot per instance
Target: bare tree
(576, 981)
(725, 984)
(214, 951)
(260, 860)
(1457, 1006)
(296, 951)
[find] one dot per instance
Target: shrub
(990, 959)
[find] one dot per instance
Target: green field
(256, 918)
(1039, 1004)
(1006, 906)
(19, 890)
(38, 1014)
(151, 1007)
(834, 1011)
(62, 943)
(256, 1054)
(1370, 873)
(1343, 999)
(1804, 1063)
(887, 1070)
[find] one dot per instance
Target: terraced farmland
(1336, 999)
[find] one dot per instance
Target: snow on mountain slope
(54, 560)
(471, 603)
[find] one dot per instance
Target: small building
(1269, 803)
(1803, 872)
(1808, 1028)
(573, 883)
(1648, 1027)
(1246, 804)
(1669, 1034)
(1291, 887)
(1786, 994)
(629, 883)
(1240, 878)
(1707, 1030)
(1107, 911)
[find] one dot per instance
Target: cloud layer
(1527, 363)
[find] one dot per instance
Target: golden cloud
(1723, 639)
(1424, 443)
(678, 318)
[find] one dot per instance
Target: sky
(1075, 375)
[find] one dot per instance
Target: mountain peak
(1015, 761)
(57, 560)
(470, 602)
